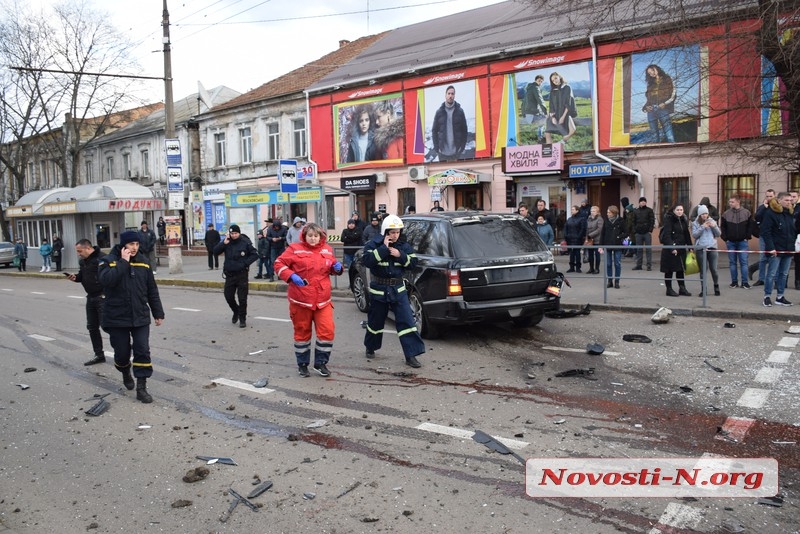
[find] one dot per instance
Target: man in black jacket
(147, 245)
(87, 275)
(211, 240)
(643, 220)
(239, 254)
(276, 236)
(131, 296)
(449, 129)
(777, 229)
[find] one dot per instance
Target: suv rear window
(490, 236)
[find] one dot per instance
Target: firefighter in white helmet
(387, 257)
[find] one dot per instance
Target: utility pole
(175, 256)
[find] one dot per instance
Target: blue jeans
(348, 259)
(262, 262)
(762, 260)
(777, 273)
(661, 124)
(738, 258)
(616, 255)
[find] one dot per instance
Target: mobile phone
(66, 274)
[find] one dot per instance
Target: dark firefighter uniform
(387, 291)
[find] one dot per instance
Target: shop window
(330, 213)
(672, 191)
(470, 198)
(794, 181)
(742, 186)
(406, 197)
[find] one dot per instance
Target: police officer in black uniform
(89, 258)
(131, 297)
(386, 256)
(239, 254)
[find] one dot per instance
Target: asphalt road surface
(378, 446)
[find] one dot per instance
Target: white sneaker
(42, 269)
(47, 270)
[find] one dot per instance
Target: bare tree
(770, 28)
(59, 86)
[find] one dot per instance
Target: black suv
(473, 267)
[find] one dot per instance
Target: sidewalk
(640, 291)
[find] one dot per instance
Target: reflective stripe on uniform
(400, 289)
(371, 331)
(137, 364)
(407, 331)
(377, 256)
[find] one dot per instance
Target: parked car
(472, 267)
(6, 253)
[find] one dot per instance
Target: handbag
(16, 261)
(690, 265)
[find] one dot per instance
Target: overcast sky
(245, 43)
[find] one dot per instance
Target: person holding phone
(131, 297)
(387, 256)
(88, 276)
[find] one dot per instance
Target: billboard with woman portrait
(369, 130)
(656, 98)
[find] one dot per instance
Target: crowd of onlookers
(688, 244)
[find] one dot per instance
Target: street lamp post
(175, 257)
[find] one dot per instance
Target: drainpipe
(596, 136)
(322, 205)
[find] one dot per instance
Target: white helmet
(391, 222)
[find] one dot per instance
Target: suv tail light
(453, 283)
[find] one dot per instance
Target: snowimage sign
(651, 477)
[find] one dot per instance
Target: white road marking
(76, 297)
(274, 319)
(187, 309)
(788, 342)
(679, 516)
(38, 293)
(241, 385)
(753, 398)
(467, 434)
(7, 289)
(793, 330)
(569, 349)
(41, 338)
(779, 356)
(768, 375)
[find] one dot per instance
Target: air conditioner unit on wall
(380, 177)
(417, 172)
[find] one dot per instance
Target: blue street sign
(589, 169)
(287, 174)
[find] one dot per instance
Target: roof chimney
(343, 42)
